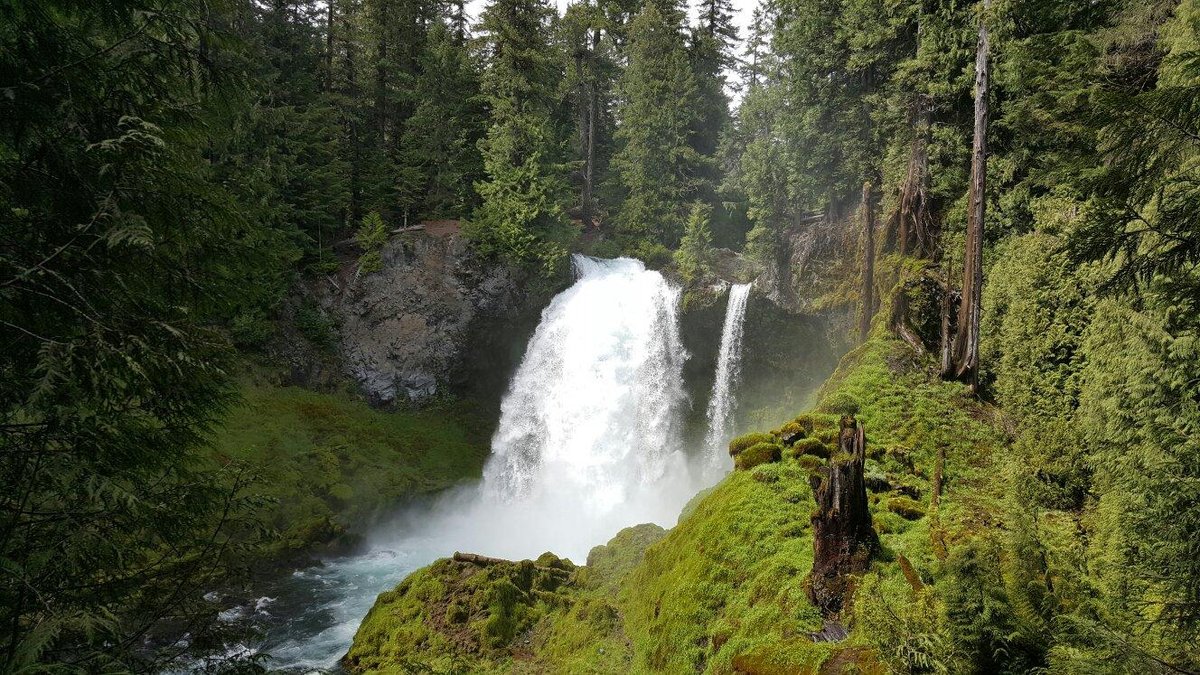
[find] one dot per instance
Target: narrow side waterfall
(592, 416)
(729, 370)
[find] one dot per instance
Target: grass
(329, 463)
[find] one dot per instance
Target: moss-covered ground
(328, 464)
(725, 590)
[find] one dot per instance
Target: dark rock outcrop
(435, 318)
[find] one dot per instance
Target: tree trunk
(329, 46)
(843, 539)
(868, 278)
(946, 361)
(966, 339)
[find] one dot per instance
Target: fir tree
(522, 214)
(658, 167)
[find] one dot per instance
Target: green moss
(737, 445)
(728, 581)
(327, 462)
(810, 463)
(724, 591)
(840, 403)
(759, 453)
(810, 446)
(906, 507)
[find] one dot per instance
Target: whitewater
(588, 442)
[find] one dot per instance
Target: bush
(739, 444)
(759, 453)
(372, 234)
(906, 507)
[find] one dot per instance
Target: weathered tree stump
(843, 538)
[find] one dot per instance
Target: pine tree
(439, 152)
(656, 162)
(522, 215)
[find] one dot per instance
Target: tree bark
(329, 46)
(868, 278)
(966, 339)
(843, 539)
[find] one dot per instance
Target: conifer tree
(658, 166)
(522, 216)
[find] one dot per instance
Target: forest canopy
(171, 169)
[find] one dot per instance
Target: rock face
(407, 332)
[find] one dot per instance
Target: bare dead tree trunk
(966, 339)
(329, 46)
(843, 538)
(868, 278)
(946, 361)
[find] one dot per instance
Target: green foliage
(655, 161)
(132, 236)
(371, 236)
(522, 216)
(759, 453)
(694, 256)
(330, 459)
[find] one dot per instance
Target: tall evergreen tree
(658, 166)
(522, 214)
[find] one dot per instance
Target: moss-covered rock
(810, 463)
(741, 443)
(840, 403)
(810, 446)
(906, 507)
(759, 453)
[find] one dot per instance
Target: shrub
(737, 445)
(906, 507)
(372, 234)
(759, 453)
(810, 463)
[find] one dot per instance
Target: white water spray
(588, 443)
(729, 371)
(592, 414)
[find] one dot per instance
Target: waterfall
(592, 415)
(729, 370)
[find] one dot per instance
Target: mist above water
(589, 442)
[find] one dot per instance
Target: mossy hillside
(727, 584)
(329, 463)
(724, 591)
(506, 617)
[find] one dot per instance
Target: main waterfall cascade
(589, 442)
(593, 412)
(722, 402)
